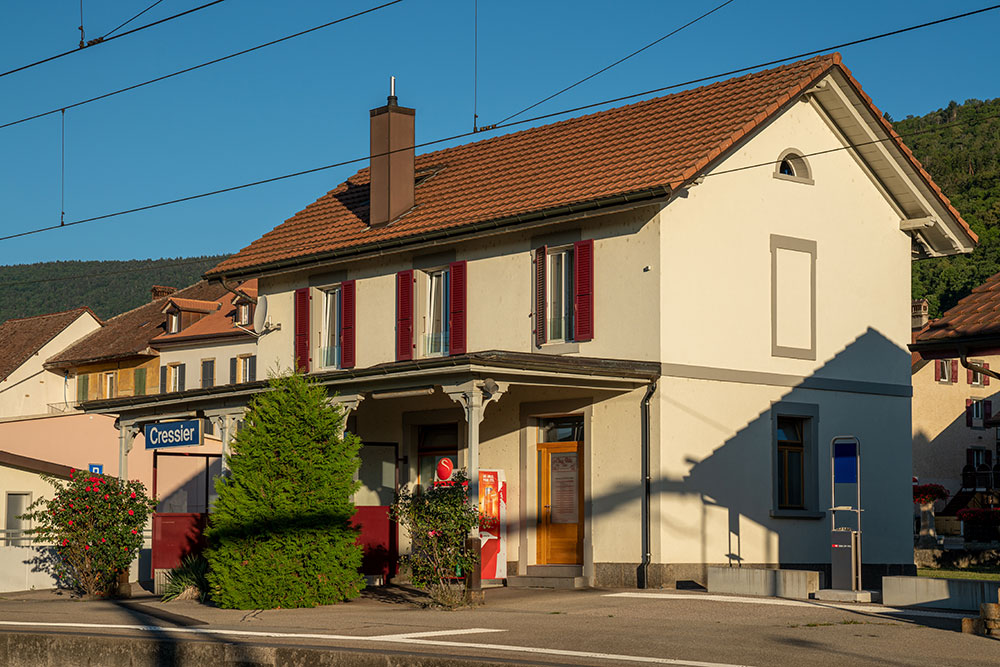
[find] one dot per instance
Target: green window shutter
(140, 382)
(82, 387)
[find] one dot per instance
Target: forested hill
(108, 287)
(964, 159)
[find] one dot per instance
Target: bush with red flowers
(928, 493)
(95, 523)
(981, 516)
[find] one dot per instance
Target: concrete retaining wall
(797, 584)
(28, 650)
(959, 594)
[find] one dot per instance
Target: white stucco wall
(194, 353)
(30, 389)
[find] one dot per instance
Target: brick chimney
(918, 314)
(392, 139)
(160, 291)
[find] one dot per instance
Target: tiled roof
(977, 315)
(21, 338)
(218, 323)
(650, 145)
(194, 305)
(129, 334)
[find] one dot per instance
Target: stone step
(547, 582)
(555, 570)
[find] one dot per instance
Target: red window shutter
(986, 378)
(970, 457)
(457, 309)
(987, 410)
(541, 257)
(302, 330)
(968, 412)
(583, 290)
(937, 371)
(968, 375)
(954, 371)
(347, 312)
(404, 315)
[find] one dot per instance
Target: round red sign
(444, 468)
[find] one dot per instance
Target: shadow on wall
(739, 477)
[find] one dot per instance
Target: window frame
(566, 253)
(243, 367)
(429, 346)
(173, 378)
(944, 370)
(978, 379)
(22, 539)
(109, 384)
(801, 170)
(335, 294)
(809, 415)
(243, 314)
(173, 322)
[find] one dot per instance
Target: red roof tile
(21, 338)
(659, 143)
(194, 305)
(976, 315)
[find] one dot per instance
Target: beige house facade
(656, 350)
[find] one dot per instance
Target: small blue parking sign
(96, 468)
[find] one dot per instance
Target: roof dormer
(182, 313)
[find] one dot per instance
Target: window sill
(809, 515)
(561, 347)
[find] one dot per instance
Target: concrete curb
(51, 650)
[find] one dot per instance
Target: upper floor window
(173, 322)
(207, 373)
(332, 330)
(438, 306)
(978, 378)
(110, 384)
(945, 370)
(243, 314)
(564, 293)
(791, 166)
(172, 378)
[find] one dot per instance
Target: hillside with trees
(108, 287)
(963, 156)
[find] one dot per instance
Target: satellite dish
(260, 314)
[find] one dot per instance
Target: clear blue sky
(305, 102)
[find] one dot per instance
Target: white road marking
(869, 608)
(405, 638)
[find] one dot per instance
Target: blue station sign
(173, 434)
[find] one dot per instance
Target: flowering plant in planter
(989, 517)
(928, 493)
(95, 523)
(438, 522)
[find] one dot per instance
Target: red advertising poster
(493, 523)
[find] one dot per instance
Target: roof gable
(21, 338)
(643, 149)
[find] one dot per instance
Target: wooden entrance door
(560, 515)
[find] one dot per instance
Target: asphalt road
(599, 627)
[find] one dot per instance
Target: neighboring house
(653, 319)
(956, 439)
(27, 388)
(208, 343)
(22, 563)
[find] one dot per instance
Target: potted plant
(926, 495)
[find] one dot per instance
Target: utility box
(845, 556)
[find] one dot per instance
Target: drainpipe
(978, 368)
(642, 576)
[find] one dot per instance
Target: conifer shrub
(280, 534)
(95, 523)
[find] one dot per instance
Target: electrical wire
(617, 62)
(108, 33)
(197, 67)
(102, 40)
(463, 135)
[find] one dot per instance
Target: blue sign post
(96, 468)
(173, 434)
(845, 562)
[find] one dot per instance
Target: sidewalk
(521, 626)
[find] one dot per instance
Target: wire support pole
(475, 65)
(62, 169)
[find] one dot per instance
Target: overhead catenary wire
(102, 40)
(617, 62)
(122, 25)
(199, 66)
(463, 135)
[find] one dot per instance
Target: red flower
(71, 522)
(133, 495)
(65, 542)
(86, 547)
(130, 512)
(133, 531)
(71, 505)
(106, 496)
(102, 539)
